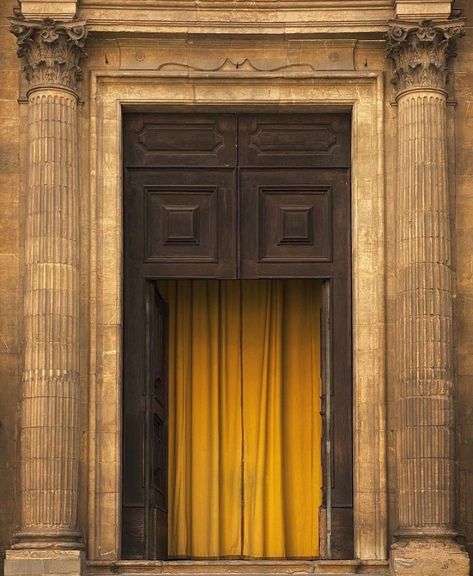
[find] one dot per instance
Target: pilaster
(51, 53)
(425, 431)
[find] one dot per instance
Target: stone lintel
(41, 563)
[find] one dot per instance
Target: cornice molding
(421, 52)
(239, 18)
(51, 51)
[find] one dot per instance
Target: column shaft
(51, 52)
(50, 393)
(425, 449)
(424, 345)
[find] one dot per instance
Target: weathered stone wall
(10, 273)
(463, 149)
(369, 55)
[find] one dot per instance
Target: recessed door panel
(287, 221)
(304, 140)
(188, 221)
(181, 223)
(180, 140)
(295, 223)
(156, 421)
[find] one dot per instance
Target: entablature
(313, 18)
(242, 18)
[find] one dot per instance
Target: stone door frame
(112, 92)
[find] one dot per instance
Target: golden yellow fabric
(244, 425)
(281, 418)
(205, 449)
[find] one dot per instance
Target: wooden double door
(230, 196)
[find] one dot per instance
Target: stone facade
(60, 255)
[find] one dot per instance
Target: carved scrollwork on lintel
(242, 65)
(51, 50)
(421, 52)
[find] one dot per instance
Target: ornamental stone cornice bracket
(421, 52)
(51, 51)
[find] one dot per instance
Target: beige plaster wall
(464, 263)
(10, 272)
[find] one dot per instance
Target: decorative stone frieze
(51, 50)
(425, 409)
(421, 52)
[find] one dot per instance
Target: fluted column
(425, 409)
(50, 387)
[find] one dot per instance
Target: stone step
(238, 568)
(167, 573)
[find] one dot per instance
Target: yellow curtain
(244, 418)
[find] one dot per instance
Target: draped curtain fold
(244, 418)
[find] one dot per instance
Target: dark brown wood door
(145, 423)
(287, 222)
(156, 422)
(228, 196)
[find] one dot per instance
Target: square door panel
(181, 223)
(294, 223)
(180, 140)
(288, 222)
(188, 222)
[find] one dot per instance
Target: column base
(429, 557)
(44, 563)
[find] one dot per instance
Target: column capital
(421, 52)
(51, 51)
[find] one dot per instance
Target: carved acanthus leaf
(51, 50)
(421, 52)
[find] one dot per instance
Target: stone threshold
(243, 567)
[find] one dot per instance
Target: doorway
(244, 390)
(221, 197)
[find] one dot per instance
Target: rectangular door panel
(180, 140)
(290, 140)
(189, 221)
(157, 421)
(341, 420)
(288, 222)
(134, 493)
